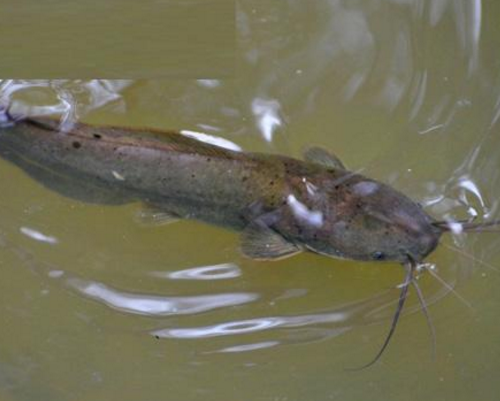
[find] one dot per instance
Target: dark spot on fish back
(77, 145)
(97, 136)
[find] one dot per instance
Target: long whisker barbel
(468, 226)
(410, 269)
(427, 315)
(471, 257)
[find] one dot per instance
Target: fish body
(281, 204)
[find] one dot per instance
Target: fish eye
(377, 255)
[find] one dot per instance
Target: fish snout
(424, 244)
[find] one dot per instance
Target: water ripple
(249, 347)
(155, 305)
(213, 272)
(38, 236)
(340, 316)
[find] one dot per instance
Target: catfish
(281, 205)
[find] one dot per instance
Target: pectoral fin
(262, 243)
(322, 157)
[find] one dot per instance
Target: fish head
(362, 219)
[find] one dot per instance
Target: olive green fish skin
(308, 205)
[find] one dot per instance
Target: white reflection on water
(69, 98)
(302, 213)
(467, 184)
(155, 305)
(55, 273)
(249, 347)
(38, 236)
(298, 328)
(252, 325)
(468, 17)
(468, 21)
(431, 129)
(214, 272)
(209, 83)
(418, 93)
(354, 84)
(267, 115)
(399, 76)
(436, 10)
(445, 206)
(212, 140)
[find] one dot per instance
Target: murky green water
(96, 306)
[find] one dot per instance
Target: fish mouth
(334, 255)
(424, 245)
(413, 256)
(411, 259)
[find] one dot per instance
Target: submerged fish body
(283, 205)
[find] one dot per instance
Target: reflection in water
(154, 305)
(209, 83)
(214, 272)
(252, 325)
(399, 74)
(38, 236)
(91, 95)
(249, 347)
(431, 129)
(55, 273)
(267, 115)
(313, 218)
(299, 328)
(468, 185)
(212, 140)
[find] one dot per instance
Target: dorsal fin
(185, 143)
(323, 157)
